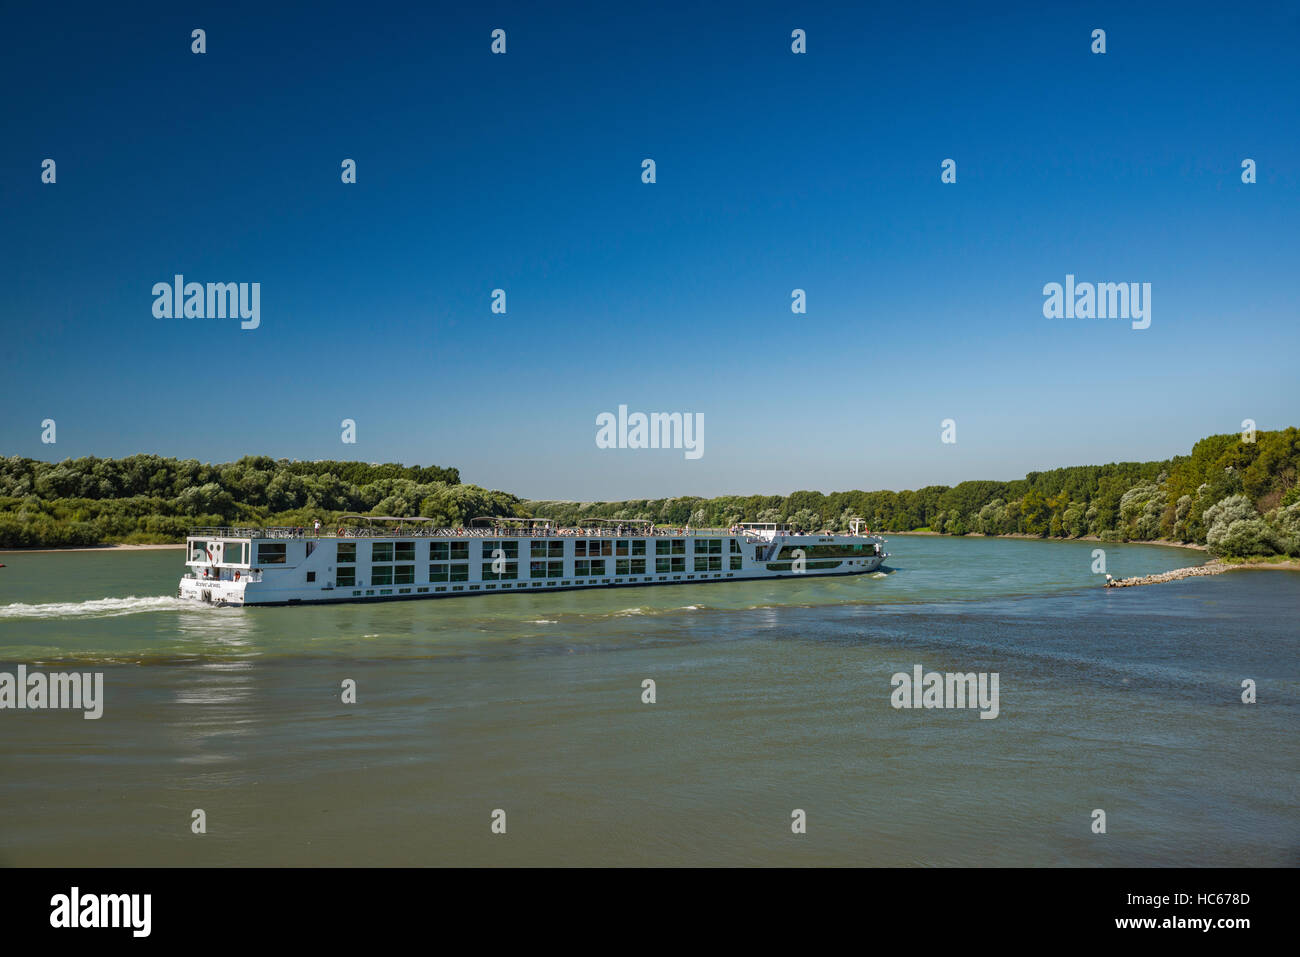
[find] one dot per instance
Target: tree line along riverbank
(1236, 495)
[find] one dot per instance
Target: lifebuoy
(236, 576)
(340, 531)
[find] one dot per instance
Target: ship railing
(368, 531)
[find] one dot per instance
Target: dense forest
(1240, 498)
(146, 498)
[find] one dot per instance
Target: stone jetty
(1210, 568)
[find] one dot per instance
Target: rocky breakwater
(1209, 568)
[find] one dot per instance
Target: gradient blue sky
(775, 171)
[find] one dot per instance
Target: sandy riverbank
(88, 548)
(1273, 561)
(1040, 538)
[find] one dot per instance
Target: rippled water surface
(770, 697)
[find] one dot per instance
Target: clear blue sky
(775, 172)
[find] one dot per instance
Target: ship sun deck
(369, 558)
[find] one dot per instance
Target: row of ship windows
(509, 571)
(358, 593)
(275, 553)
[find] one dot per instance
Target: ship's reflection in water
(217, 630)
(217, 695)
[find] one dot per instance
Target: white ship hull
(290, 567)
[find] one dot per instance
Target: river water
(771, 698)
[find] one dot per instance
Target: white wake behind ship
(369, 558)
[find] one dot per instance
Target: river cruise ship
(370, 558)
